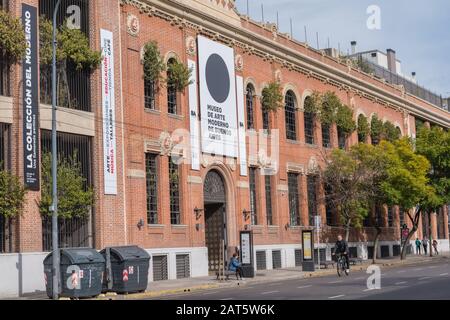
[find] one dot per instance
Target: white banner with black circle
(217, 98)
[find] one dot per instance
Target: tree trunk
(347, 230)
(415, 222)
(430, 234)
(375, 244)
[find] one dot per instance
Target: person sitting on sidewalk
(235, 266)
(435, 245)
(418, 245)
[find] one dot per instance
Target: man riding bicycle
(341, 248)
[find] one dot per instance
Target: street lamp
(54, 206)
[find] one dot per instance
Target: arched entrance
(214, 195)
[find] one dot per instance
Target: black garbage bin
(126, 269)
(81, 270)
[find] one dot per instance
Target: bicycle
(341, 265)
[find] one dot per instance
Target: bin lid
(78, 256)
(128, 253)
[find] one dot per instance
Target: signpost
(308, 250)
(404, 234)
(246, 254)
(317, 222)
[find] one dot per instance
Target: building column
(445, 221)
(303, 190)
(434, 225)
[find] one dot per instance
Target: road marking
(368, 290)
(227, 299)
(383, 274)
(273, 284)
(424, 278)
(401, 282)
(401, 271)
(246, 288)
(335, 297)
(444, 274)
(431, 267)
(418, 269)
(205, 294)
(333, 282)
(269, 292)
(360, 278)
(302, 287)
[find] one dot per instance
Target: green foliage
(390, 132)
(12, 195)
(72, 46)
(376, 129)
(434, 144)
(313, 103)
(12, 37)
(344, 119)
(74, 198)
(324, 105)
(406, 183)
(272, 97)
(178, 75)
(363, 65)
(154, 64)
(363, 128)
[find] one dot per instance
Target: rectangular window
(326, 140)
(151, 169)
(149, 94)
(402, 217)
(266, 125)
(390, 217)
(268, 187)
(253, 196)
(309, 127)
(312, 198)
(4, 146)
(328, 204)
(4, 75)
(174, 190)
(171, 99)
(341, 139)
(294, 199)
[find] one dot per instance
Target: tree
(153, 63)
(12, 37)
(12, 195)
(434, 144)
(178, 75)
(406, 183)
(363, 128)
(347, 178)
(272, 97)
(75, 198)
(376, 129)
(72, 48)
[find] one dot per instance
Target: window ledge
(179, 226)
(313, 146)
(293, 141)
(152, 111)
(156, 226)
(175, 116)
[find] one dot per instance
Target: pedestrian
(425, 245)
(435, 245)
(236, 266)
(418, 245)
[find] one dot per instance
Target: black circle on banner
(217, 78)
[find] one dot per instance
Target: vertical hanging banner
(241, 125)
(193, 117)
(30, 100)
(109, 110)
(217, 98)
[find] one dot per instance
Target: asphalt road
(429, 281)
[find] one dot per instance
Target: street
(429, 280)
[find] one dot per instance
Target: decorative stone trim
(242, 185)
(295, 167)
(135, 173)
(283, 188)
(194, 180)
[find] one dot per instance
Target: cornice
(273, 52)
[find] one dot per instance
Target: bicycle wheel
(339, 268)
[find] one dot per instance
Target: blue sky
(418, 30)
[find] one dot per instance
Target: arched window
(309, 125)
(171, 91)
(149, 94)
(399, 132)
(250, 106)
(289, 111)
(363, 129)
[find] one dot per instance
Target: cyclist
(341, 247)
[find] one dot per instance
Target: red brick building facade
(176, 220)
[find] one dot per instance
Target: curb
(152, 294)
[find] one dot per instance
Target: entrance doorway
(215, 219)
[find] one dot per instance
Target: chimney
(413, 75)
(392, 61)
(353, 43)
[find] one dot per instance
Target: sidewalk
(169, 287)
